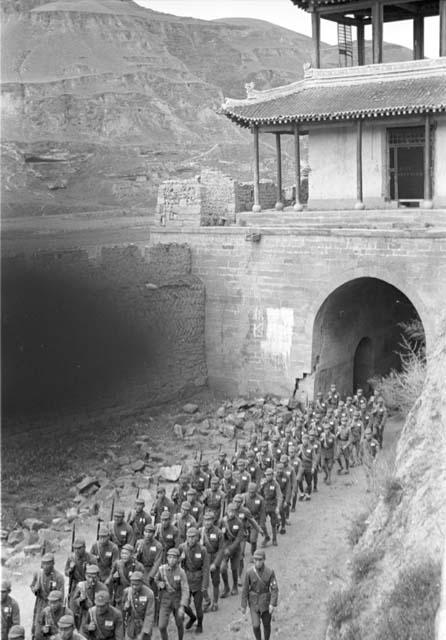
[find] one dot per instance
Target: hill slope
(103, 99)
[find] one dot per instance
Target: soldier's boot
(293, 504)
(199, 628)
(257, 633)
(234, 590)
(274, 539)
(192, 617)
(253, 548)
(226, 589)
(215, 594)
(206, 601)
(347, 466)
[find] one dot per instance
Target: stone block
(15, 537)
(138, 465)
(87, 484)
(190, 408)
(32, 549)
(33, 524)
(228, 430)
(178, 431)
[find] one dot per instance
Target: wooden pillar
(442, 27)
(298, 206)
(361, 42)
(427, 203)
(256, 206)
(279, 203)
(418, 38)
(377, 26)
(316, 34)
(359, 191)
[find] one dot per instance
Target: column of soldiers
(188, 552)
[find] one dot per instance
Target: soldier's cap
(102, 597)
(6, 585)
(367, 431)
(227, 473)
(128, 547)
(268, 471)
(192, 531)
(103, 531)
(165, 515)
(305, 434)
(66, 622)
(140, 501)
(326, 425)
(280, 466)
(92, 569)
(150, 527)
(209, 515)
(222, 454)
(79, 542)
(119, 512)
(173, 552)
(55, 595)
(196, 463)
(215, 480)
(16, 631)
(191, 492)
(319, 393)
(276, 437)
(283, 458)
(232, 506)
(49, 557)
(259, 554)
(185, 505)
(161, 490)
(136, 576)
(237, 498)
(251, 454)
(252, 486)
(204, 463)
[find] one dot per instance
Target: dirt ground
(310, 562)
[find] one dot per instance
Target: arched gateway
(357, 333)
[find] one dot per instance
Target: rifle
(201, 455)
(98, 526)
(112, 510)
(137, 493)
(70, 582)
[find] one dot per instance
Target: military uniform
(10, 615)
(139, 613)
(259, 591)
(233, 535)
(42, 584)
(108, 624)
(212, 540)
(106, 555)
(119, 579)
(83, 599)
(272, 495)
(160, 505)
(328, 446)
(46, 626)
(138, 520)
(174, 593)
(168, 537)
(195, 562)
(121, 533)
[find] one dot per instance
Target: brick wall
(84, 332)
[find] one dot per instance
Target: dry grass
(358, 526)
(365, 562)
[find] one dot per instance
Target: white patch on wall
(279, 334)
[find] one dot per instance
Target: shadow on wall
(88, 334)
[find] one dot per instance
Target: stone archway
(357, 332)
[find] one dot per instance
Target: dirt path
(310, 562)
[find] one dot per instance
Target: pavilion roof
(368, 97)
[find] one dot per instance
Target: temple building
(376, 132)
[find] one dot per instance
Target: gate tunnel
(356, 334)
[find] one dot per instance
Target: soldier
(179, 493)
(308, 459)
(369, 449)
(294, 464)
(76, 566)
(184, 520)
(121, 533)
(213, 498)
(320, 404)
(256, 505)
(139, 609)
(328, 445)
(196, 508)
(253, 468)
(276, 448)
(232, 530)
(84, 594)
(10, 610)
(261, 593)
(211, 538)
(228, 486)
(49, 618)
(16, 632)
(103, 622)
(161, 504)
(197, 479)
(314, 441)
(241, 476)
(333, 396)
(284, 483)
(195, 562)
(248, 522)
(174, 593)
(166, 534)
(149, 552)
(291, 475)
(379, 419)
(221, 465)
(356, 429)
(138, 518)
(43, 582)
(272, 495)
(120, 576)
(105, 552)
(343, 437)
(66, 630)
(265, 459)
(206, 472)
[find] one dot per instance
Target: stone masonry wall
(82, 332)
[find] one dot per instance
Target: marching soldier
(167, 534)
(232, 530)
(195, 562)
(248, 523)
(76, 566)
(103, 621)
(256, 505)
(120, 575)
(241, 476)
(260, 592)
(314, 441)
(211, 538)
(139, 609)
(369, 449)
(308, 465)
(184, 520)
(10, 610)
(121, 532)
(43, 582)
(328, 445)
(105, 552)
(174, 593)
(213, 498)
(197, 479)
(272, 495)
(196, 508)
(284, 483)
(161, 504)
(253, 468)
(343, 437)
(84, 594)
(138, 518)
(179, 493)
(228, 486)
(66, 630)
(47, 625)
(221, 465)
(149, 552)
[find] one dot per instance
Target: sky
(285, 14)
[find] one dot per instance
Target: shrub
(358, 525)
(364, 563)
(410, 610)
(393, 492)
(341, 606)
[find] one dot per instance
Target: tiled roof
(305, 4)
(310, 102)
